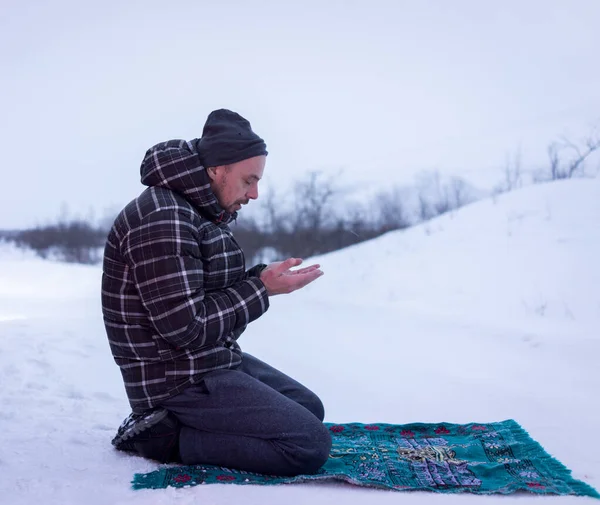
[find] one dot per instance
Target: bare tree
(512, 171)
(313, 202)
(458, 192)
(443, 205)
(590, 145)
(276, 218)
(554, 161)
(567, 159)
(426, 211)
(511, 174)
(391, 213)
(442, 202)
(430, 200)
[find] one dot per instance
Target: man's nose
(252, 194)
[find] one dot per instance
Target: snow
(489, 313)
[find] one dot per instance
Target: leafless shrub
(458, 192)
(426, 211)
(391, 212)
(314, 218)
(512, 174)
(567, 159)
(437, 196)
(75, 241)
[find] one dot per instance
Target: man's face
(235, 185)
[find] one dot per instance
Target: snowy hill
(530, 254)
(483, 315)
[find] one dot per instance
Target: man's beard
(234, 208)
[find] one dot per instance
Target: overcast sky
(378, 89)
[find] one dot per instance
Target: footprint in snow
(531, 340)
(36, 386)
(103, 427)
(44, 365)
(73, 394)
(105, 397)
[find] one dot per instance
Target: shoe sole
(142, 425)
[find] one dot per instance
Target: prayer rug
(449, 458)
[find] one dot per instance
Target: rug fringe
(151, 480)
(538, 452)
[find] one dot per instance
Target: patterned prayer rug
(450, 458)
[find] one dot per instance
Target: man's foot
(134, 424)
(153, 435)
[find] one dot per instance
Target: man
(176, 297)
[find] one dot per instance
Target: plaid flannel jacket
(175, 291)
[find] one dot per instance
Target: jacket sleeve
(255, 270)
(164, 257)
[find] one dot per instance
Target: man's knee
(322, 448)
(312, 402)
(315, 452)
(315, 405)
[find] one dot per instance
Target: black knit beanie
(228, 138)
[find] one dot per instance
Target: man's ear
(212, 172)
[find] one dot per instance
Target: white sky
(379, 89)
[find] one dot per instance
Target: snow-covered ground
(490, 313)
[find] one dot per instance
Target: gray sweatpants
(252, 418)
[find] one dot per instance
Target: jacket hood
(175, 165)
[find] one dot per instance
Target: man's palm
(278, 277)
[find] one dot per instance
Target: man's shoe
(134, 424)
(153, 435)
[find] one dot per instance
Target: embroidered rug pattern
(450, 458)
